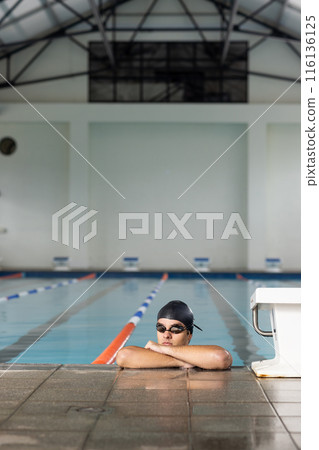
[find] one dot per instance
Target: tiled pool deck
(104, 407)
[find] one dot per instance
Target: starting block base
(284, 305)
(274, 368)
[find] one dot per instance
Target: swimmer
(175, 322)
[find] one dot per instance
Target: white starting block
(201, 264)
(273, 264)
(61, 263)
(285, 314)
(130, 264)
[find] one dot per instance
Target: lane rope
(239, 276)
(109, 354)
(14, 275)
(256, 283)
(47, 288)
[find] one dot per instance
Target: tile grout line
(274, 410)
(190, 433)
(30, 395)
(99, 414)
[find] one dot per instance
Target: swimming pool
(33, 329)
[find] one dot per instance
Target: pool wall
(150, 274)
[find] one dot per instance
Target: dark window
(168, 72)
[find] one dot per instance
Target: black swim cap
(177, 310)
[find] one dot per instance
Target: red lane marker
(14, 275)
(241, 277)
(88, 277)
(109, 354)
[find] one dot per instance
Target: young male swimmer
(175, 322)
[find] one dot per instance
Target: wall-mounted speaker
(7, 146)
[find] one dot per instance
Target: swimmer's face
(169, 338)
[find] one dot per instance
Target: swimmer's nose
(167, 334)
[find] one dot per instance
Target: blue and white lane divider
(141, 310)
(46, 288)
(109, 354)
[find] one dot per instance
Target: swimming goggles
(175, 329)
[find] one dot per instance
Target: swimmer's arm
(131, 357)
(203, 356)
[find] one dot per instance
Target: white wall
(151, 154)
(152, 164)
(33, 184)
(283, 194)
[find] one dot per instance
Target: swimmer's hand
(155, 347)
(187, 365)
(151, 345)
(210, 357)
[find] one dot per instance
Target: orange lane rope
(109, 354)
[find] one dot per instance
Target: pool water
(36, 328)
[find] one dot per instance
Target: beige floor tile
(293, 424)
(288, 409)
(284, 396)
(160, 396)
(232, 409)
(242, 441)
(138, 440)
(237, 424)
(156, 383)
(148, 409)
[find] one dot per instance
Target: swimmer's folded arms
(175, 322)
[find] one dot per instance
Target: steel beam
(8, 68)
(240, 12)
(28, 64)
(194, 22)
(277, 23)
(53, 78)
(293, 48)
(265, 75)
(283, 6)
(106, 43)
(26, 43)
(61, 33)
(257, 11)
(79, 44)
(75, 13)
(13, 7)
(145, 16)
(86, 73)
(26, 14)
(50, 13)
(29, 42)
(229, 30)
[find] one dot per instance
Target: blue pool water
(28, 333)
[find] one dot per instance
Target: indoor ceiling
(37, 23)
